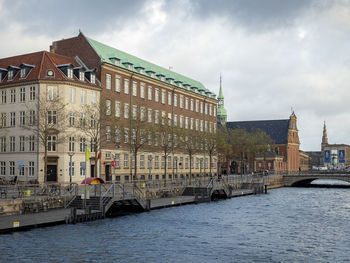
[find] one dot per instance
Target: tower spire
(222, 114)
(324, 136)
(221, 95)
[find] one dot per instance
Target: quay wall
(275, 181)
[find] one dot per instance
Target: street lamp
(70, 167)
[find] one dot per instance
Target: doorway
(51, 173)
(92, 169)
(108, 173)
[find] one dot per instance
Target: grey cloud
(54, 17)
(255, 14)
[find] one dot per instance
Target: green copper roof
(222, 111)
(221, 95)
(109, 55)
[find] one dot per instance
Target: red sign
(113, 163)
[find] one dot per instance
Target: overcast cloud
(273, 55)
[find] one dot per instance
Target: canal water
(286, 225)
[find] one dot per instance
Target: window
(81, 75)
(175, 120)
(206, 109)
(71, 119)
(186, 103)
(156, 116)
(117, 109)
(163, 162)
(163, 117)
(197, 124)
(156, 162)
(31, 169)
(134, 112)
(71, 144)
(13, 119)
(206, 126)
(93, 78)
(51, 143)
(126, 135)
(149, 138)
(156, 95)
(2, 168)
(142, 161)
(197, 105)
(191, 124)
(169, 162)
(126, 111)
(169, 98)
(22, 73)
(117, 135)
(3, 144)
(21, 171)
(149, 115)
(142, 113)
(186, 122)
(175, 100)
(82, 144)
(163, 96)
(108, 107)
(71, 169)
(51, 117)
(214, 111)
(191, 106)
(70, 73)
(117, 83)
(83, 97)
(210, 109)
(51, 92)
(142, 90)
(3, 119)
(31, 143)
(72, 95)
(149, 93)
(12, 168)
(93, 97)
(108, 81)
(22, 94)
(10, 75)
(186, 163)
(3, 96)
(181, 121)
(31, 117)
(126, 86)
(201, 107)
(92, 144)
(13, 95)
(134, 88)
(12, 143)
(21, 143)
(117, 160)
(197, 163)
(32, 93)
(82, 168)
(126, 160)
(201, 125)
(108, 133)
(181, 101)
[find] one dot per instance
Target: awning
(93, 180)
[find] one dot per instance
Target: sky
(274, 56)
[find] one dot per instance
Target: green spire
(221, 95)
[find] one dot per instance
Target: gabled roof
(40, 62)
(109, 54)
(276, 129)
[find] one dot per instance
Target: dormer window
(161, 77)
(70, 73)
(116, 61)
(93, 78)
(140, 69)
(128, 65)
(151, 73)
(81, 75)
(170, 80)
(10, 75)
(23, 73)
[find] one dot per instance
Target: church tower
(324, 137)
(222, 114)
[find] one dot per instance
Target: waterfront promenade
(24, 206)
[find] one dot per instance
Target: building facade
(31, 87)
(134, 89)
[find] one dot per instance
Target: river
(286, 225)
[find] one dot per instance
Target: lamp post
(150, 158)
(70, 167)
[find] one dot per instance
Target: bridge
(305, 178)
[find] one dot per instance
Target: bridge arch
(306, 179)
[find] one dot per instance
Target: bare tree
(90, 124)
(48, 119)
(209, 141)
(135, 134)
